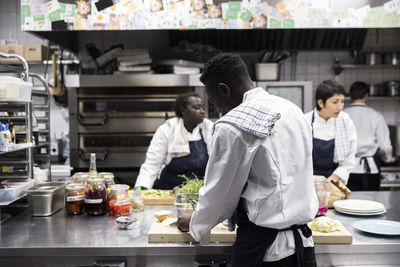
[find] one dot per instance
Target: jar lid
(319, 178)
(74, 186)
(95, 179)
(119, 187)
(80, 174)
(106, 174)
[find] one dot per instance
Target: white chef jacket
(372, 134)
(273, 174)
(156, 155)
(325, 130)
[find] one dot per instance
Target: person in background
(373, 141)
(261, 166)
(333, 132)
(180, 146)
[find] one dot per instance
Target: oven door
(114, 150)
(139, 115)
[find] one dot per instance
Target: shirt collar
(319, 119)
(253, 93)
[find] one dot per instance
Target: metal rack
(41, 111)
(16, 161)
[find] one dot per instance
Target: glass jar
(74, 198)
(119, 203)
(108, 178)
(95, 197)
(80, 177)
(137, 200)
(322, 194)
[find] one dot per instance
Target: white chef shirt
(325, 130)
(372, 134)
(156, 155)
(273, 174)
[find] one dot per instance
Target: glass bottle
(74, 198)
(322, 194)
(137, 200)
(92, 167)
(95, 197)
(119, 203)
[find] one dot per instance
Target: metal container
(47, 198)
(393, 88)
(391, 59)
(373, 58)
(266, 71)
(376, 90)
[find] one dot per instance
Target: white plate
(380, 227)
(360, 213)
(359, 205)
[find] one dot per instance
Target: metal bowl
(123, 222)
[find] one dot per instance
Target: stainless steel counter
(77, 240)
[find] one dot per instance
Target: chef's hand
(183, 222)
(333, 177)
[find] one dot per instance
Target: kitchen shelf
(5, 203)
(17, 148)
(338, 68)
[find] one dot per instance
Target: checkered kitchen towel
(342, 140)
(254, 119)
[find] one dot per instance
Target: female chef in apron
(334, 134)
(180, 146)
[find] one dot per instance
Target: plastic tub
(14, 189)
(12, 88)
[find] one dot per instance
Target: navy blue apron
(193, 164)
(252, 240)
(322, 154)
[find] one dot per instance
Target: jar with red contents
(119, 204)
(95, 197)
(322, 194)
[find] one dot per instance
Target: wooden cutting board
(160, 233)
(147, 200)
(339, 237)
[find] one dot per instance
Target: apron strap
(298, 242)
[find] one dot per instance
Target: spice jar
(137, 200)
(108, 178)
(95, 197)
(322, 194)
(119, 203)
(74, 198)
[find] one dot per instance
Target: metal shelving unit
(16, 162)
(41, 110)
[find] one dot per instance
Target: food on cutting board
(156, 193)
(325, 225)
(161, 215)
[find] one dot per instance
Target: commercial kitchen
(85, 85)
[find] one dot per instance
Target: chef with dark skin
(180, 146)
(261, 167)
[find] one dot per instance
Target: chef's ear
(225, 89)
(320, 103)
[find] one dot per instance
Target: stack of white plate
(359, 207)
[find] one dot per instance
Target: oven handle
(81, 122)
(82, 155)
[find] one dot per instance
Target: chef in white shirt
(180, 146)
(334, 134)
(260, 165)
(373, 141)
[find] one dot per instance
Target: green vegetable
(157, 193)
(190, 186)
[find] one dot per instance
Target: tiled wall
(317, 67)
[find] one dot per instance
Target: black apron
(252, 240)
(323, 154)
(354, 181)
(191, 166)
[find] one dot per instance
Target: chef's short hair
(358, 90)
(326, 90)
(182, 101)
(225, 68)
